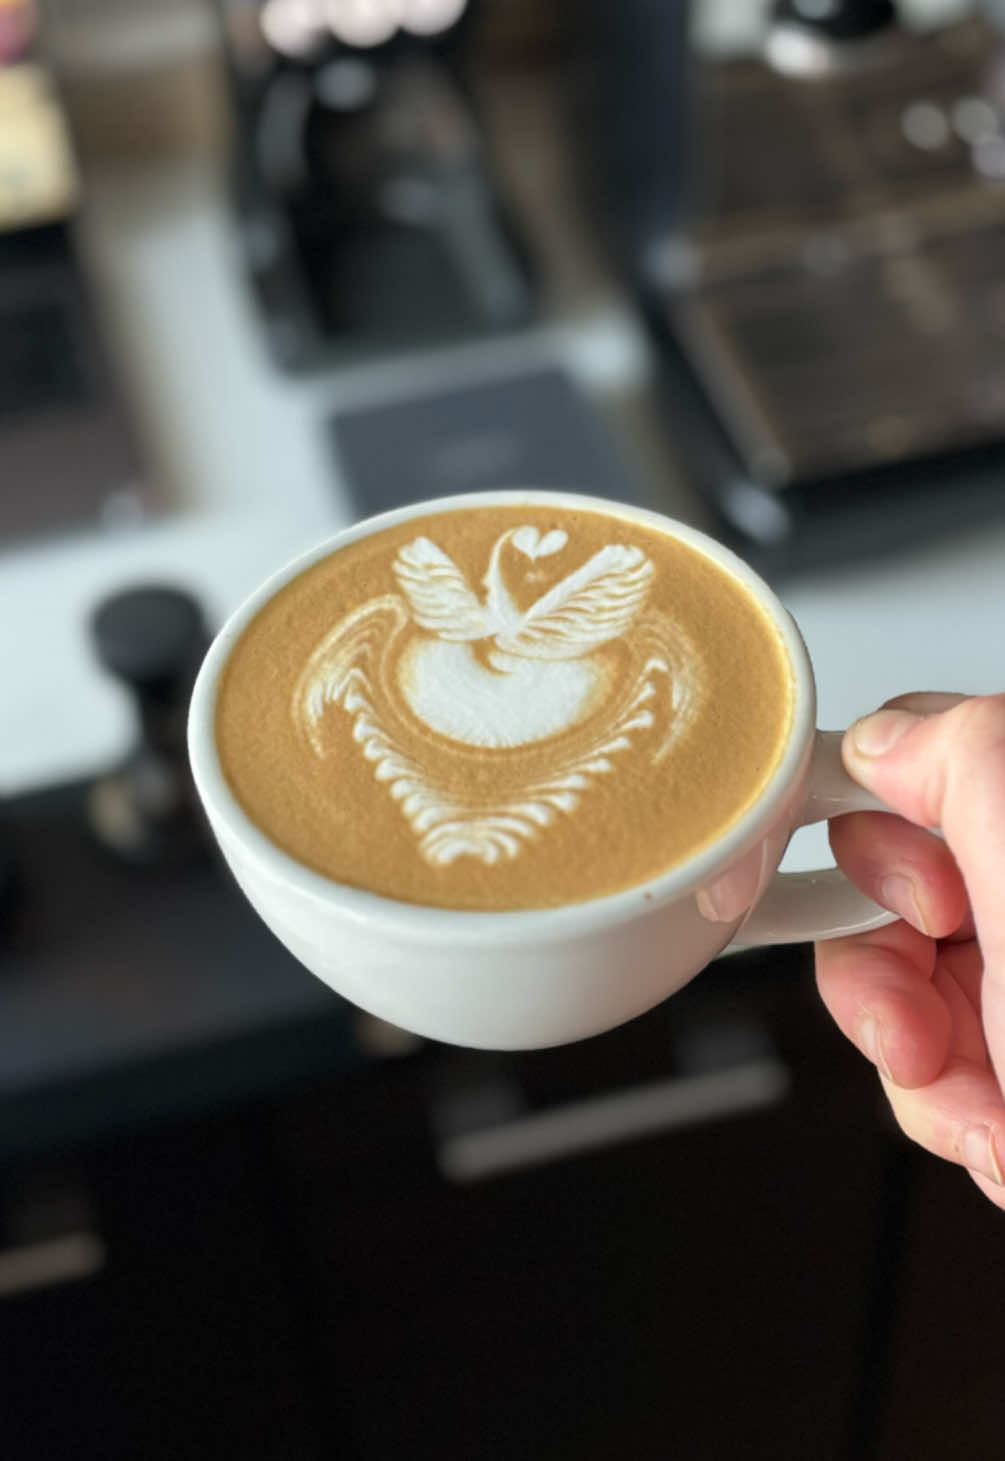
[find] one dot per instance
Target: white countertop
(242, 453)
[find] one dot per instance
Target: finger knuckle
(925, 1126)
(908, 1119)
(980, 723)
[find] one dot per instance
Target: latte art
(503, 707)
(491, 677)
(509, 703)
(512, 698)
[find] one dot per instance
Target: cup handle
(801, 907)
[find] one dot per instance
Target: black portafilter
(152, 639)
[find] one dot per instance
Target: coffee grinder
(369, 212)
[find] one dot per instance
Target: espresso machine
(815, 227)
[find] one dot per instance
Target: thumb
(946, 771)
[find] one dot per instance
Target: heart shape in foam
(446, 688)
(529, 541)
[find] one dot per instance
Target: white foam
(446, 687)
(489, 677)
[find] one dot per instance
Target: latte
(504, 707)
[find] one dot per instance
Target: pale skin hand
(924, 998)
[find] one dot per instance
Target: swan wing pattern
(438, 594)
(595, 603)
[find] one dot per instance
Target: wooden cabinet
(944, 1386)
(698, 1236)
(181, 1342)
(695, 1291)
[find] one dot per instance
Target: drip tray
(537, 430)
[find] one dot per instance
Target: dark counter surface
(126, 992)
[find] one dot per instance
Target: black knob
(152, 638)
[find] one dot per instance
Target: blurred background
(266, 268)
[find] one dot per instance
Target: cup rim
(231, 823)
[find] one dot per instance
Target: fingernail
(707, 907)
(870, 1039)
(977, 1149)
(878, 733)
(899, 893)
(713, 906)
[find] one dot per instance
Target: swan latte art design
(513, 697)
(502, 707)
(490, 676)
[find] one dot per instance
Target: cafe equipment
(816, 230)
(370, 215)
(67, 456)
(151, 639)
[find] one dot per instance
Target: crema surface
(504, 707)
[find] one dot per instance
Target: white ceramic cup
(546, 976)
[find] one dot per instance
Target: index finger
(946, 771)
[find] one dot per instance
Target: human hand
(924, 998)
